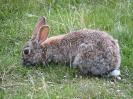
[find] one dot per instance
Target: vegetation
(17, 20)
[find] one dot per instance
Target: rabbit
(93, 52)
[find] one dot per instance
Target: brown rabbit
(93, 52)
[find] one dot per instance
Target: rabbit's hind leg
(84, 58)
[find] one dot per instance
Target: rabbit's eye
(26, 51)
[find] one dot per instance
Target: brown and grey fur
(93, 52)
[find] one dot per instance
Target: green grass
(17, 20)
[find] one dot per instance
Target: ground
(17, 20)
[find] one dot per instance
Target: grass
(17, 20)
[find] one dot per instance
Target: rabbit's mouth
(28, 63)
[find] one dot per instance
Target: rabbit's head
(32, 52)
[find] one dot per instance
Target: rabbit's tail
(115, 73)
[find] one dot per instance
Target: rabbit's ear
(43, 33)
(40, 23)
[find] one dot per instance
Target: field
(17, 20)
